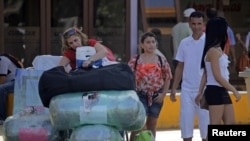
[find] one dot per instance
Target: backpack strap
(137, 57)
(136, 60)
(159, 57)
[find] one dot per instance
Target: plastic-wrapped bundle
(121, 109)
(31, 124)
(95, 133)
(26, 89)
(140, 121)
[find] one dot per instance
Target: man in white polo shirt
(8, 66)
(188, 69)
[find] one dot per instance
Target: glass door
(64, 14)
(109, 25)
(22, 29)
(103, 20)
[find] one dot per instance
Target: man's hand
(172, 96)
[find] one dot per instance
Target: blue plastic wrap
(31, 124)
(121, 109)
(26, 89)
(95, 133)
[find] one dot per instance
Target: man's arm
(172, 45)
(232, 50)
(248, 40)
(232, 43)
(2, 79)
(238, 37)
(177, 78)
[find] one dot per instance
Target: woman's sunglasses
(69, 33)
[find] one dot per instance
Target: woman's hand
(237, 96)
(198, 98)
(160, 98)
(86, 63)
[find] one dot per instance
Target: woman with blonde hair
(73, 38)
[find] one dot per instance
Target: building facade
(33, 27)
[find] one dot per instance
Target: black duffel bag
(112, 77)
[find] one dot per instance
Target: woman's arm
(162, 95)
(64, 61)
(100, 52)
(167, 76)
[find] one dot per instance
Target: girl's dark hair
(145, 35)
(216, 34)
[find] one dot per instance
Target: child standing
(153, 75)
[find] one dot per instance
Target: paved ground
(174, 135)
(166, 135)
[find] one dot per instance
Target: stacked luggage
(30, 124)
(94, 103)
(30, 120)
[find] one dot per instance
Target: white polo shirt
(7, 68)
(190, 53)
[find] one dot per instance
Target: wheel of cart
(65, 135)
(124, 135)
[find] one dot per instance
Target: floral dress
(150, 78)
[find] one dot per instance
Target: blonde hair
(78, 32)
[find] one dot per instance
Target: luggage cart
(124, 135)
(65, 135)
